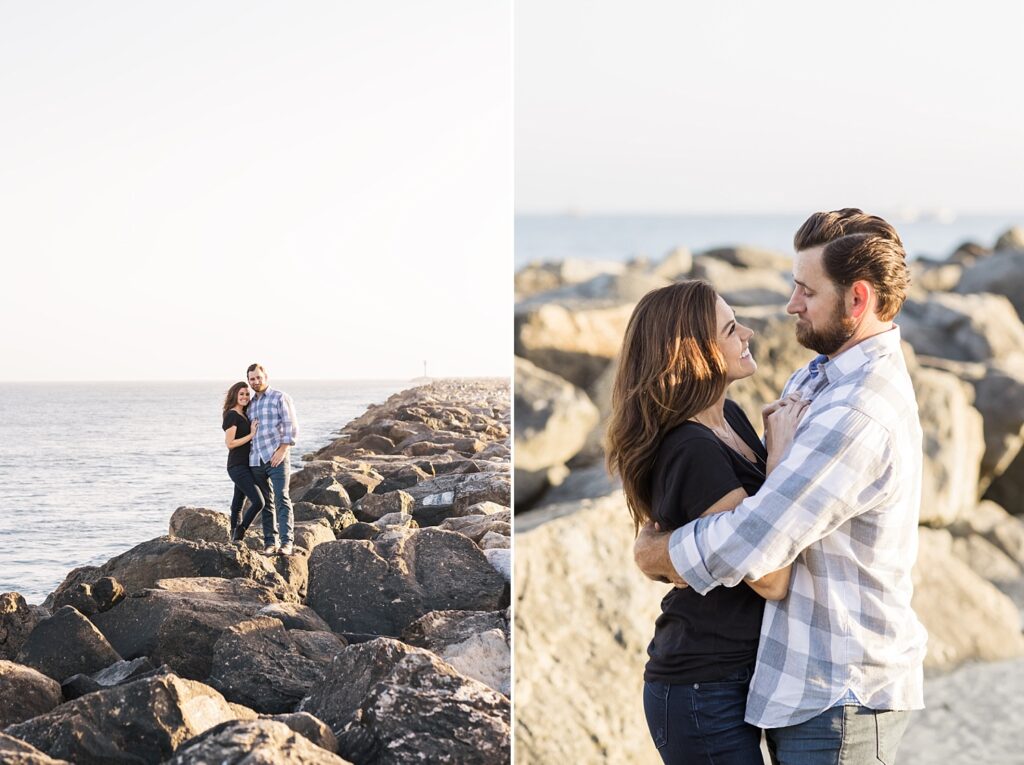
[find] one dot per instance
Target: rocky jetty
(584, 614)
(383, 639)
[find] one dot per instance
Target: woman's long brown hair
(670, 368)
(232, 398)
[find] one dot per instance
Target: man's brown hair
(824, 227)
(254, 367)
(875, 259)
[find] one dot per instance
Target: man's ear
(862, 298)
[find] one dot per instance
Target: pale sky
(750, 106)
(188, 187)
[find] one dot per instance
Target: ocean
(547, 238)
(88, 470)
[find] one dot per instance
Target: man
(839, 664)
(275, 435)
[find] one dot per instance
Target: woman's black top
(702, 638)
(240, 454)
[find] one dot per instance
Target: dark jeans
(245, 488)
(850, 734)
(703, 722)
(278, 518)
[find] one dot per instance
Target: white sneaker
(270, 550)
(287, 549)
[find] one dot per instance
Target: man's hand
(650, 553)
(279, 456)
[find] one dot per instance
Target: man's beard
(832, 336)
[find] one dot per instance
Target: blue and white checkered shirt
(843, 507)
(277, 424)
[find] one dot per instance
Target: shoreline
(276, 650)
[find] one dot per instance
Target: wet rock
(66, 644)
(255, 741)
(258, 664)
(328, 491)
(373, 506)
(167, 557)
(179, 623)
(17, 620)
(379, 587)
(16, 752)
(142, 721)
(295, 616)
(25, 693)
(199, 524)
(476, 643)
(393, 703)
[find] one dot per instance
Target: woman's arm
(773, 586)
(232, 442)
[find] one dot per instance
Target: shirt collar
(882, 344)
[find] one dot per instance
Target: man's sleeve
(289, 422)
(841, 464)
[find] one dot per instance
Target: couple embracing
(259, 430)
(791, 558)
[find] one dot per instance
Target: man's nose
(795, 305)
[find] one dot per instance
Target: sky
(743, 106)
(189, 187)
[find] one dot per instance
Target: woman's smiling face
(733, 341)
(243, 397)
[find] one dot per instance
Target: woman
(238, 435)
(683, 450)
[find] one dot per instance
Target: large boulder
(605, 290)
(393, 703)
(252, 742)
(744, 286)
(168, 557)
(453, 495)
(476, 643)
(1011, 239)
(328, 491)
(67, 644)
(199, 524)
(579, 680)
(17, 620)
(378, 587)
(337, 518)
(25, 693)
(751, 257)
(574, 345)
(257, 663)
(977, 327)
(476, 526)
(967, 618)
(545, 277)
(553, 421)
(373, 507)
(1001, 274)
(143, 721)
(308, 534)
(295, 616)
(179, 622)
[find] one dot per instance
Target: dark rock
(258, 664)
(381, 586)
(78, 597)
(377, 443)
(179, 623)
(143, 721)
(200, 524)
(78, 685)
(328, 491)
(373, 506)
(107, 592)
(359, 530)
(315, 730)
(476, 526)
(17, 620)
(476, 643)
(16, 752)
(358, 485)
(337, 518)
(167, 557)
(124, 671)
(66, 644)
(253, 741)
(25, 693)
(295, 616)
(393, 703)
(403, 478)
(452, 495)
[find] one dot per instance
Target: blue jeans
(699, 723)
(278, 516)
(246, 488)
(851, 735)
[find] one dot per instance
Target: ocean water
(88, 470)
(548, 238)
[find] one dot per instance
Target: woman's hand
(254, 426)
(780, 426)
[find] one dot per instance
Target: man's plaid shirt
(843, 507)
(277, 424)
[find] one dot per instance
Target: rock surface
(256, 742)
(67, 644)
(17, 620)
(25, 693)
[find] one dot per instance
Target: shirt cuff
(687, 560)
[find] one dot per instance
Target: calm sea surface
(623, 237)
(88, 470)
